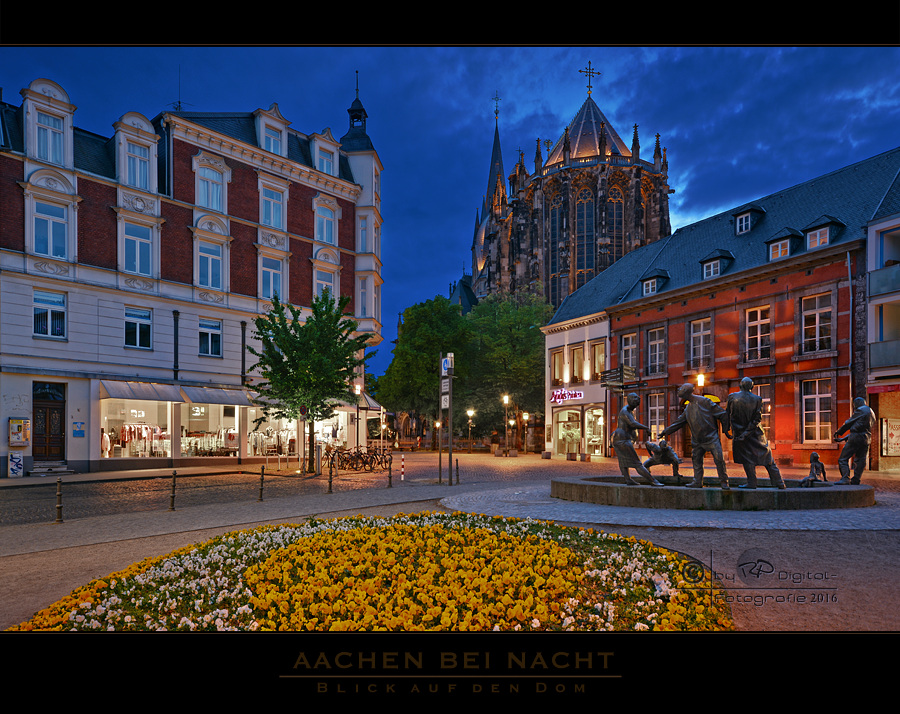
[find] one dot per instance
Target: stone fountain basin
(612, 491)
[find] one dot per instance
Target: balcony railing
(884, 280)
(884, 354)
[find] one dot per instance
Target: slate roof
(847, 199)
(242, 126)
(96, 154)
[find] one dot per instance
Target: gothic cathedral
(592, 200)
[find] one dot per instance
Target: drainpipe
(175, 315)
(243, 352)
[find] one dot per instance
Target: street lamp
(437, 425)
(525, 419)
(701, 380)
(358, 388)
(470, 413)
(505, 426)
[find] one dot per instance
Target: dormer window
(50, 138)
(779, 249)
(326, 162)
(650, 286)
(273, 140)
(742, 224)
(817, 238)
(712, 269)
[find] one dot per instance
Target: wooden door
(48, 431)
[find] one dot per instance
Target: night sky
(738, 123)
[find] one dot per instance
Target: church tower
(591, 201)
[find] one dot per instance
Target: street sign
(445, 385)
(445, 401)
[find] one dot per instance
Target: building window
(764, 392)
(210, 265)
(817, 411)
(363, 296)
(324, 225)
(615, 226)
(325, 281)
(556, 368)
(656, 414)
(273, 140)
(326, 162)
(273, 203)
(817, 323)
(759, 328)
(376, 300)
(743, 223)
(711, 269)
(210, 337)
(138, 325)
(209, 189)
(779, 249)
(49, 138)
(138, 164)
(138, 249)
(650, 286)
(656, 350)
(271, 277)
(701, 343)
(49, 314)
(363, 235)
(629, 351)
(598, 359)
(585, 244)
(576, 364)
(50, 230)
(817, 238)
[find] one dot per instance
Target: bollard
(390, 475)
(402, 466)
(262, 475)
(172, 497)
(330, 471)
(59, 518)
(457, 472)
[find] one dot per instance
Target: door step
(49, 468)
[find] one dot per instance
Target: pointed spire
(496, 193)
(538, 158)
(635, 145)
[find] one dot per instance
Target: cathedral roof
(584, 135)
(847, 199)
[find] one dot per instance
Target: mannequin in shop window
(104, 443)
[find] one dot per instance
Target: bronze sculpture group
(740, 421)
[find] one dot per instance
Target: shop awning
(114, 389)
(365, 402)
(212, 395)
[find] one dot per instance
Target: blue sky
(738, 123)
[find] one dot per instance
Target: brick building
(775, 289)
(132, 267)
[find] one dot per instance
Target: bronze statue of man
(623, 442)
(857, 441)
(748, 442)
(702, 415)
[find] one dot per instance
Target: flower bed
(432, 571)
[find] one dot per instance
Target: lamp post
(470, 413)
(512, 423)
(358, 389)
(437, 425)
(525, 419)
(506, 424)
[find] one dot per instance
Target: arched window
(615, 224)
(584, 237)
(557, 282)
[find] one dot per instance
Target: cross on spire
(496, 104)
(590, 75)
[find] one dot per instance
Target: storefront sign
(558, 396)
(892, 437)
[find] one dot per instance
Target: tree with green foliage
(505, 356)
(307, 363)
(411, 381)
